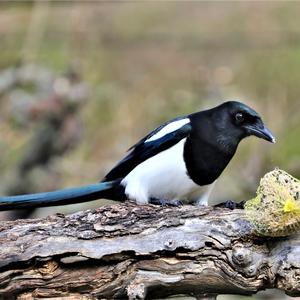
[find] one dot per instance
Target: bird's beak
(261, 132)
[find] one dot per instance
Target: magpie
(178, 161)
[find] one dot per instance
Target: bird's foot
(231, 204)
(165, 202)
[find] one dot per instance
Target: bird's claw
(231, 204)
(165, 202)
(176, 203)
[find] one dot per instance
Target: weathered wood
(129, 251)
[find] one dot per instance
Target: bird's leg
(165, 202)
(231, 204)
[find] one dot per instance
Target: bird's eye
(239, 117)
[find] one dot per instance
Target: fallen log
(137, 252)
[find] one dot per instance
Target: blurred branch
(132, 251)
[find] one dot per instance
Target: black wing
(144, 150)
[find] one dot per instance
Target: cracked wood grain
(137, 252)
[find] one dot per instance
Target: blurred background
(80, 82)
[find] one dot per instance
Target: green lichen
(275, 211)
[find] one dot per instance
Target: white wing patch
(168, 128)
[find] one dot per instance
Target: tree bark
(137, 252)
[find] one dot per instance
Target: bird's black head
(237, 121)
(215, 135)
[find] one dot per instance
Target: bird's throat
(206, 161)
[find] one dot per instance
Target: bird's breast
(162, 176)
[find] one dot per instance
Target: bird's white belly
(163, 176)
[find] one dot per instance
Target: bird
(176, 163)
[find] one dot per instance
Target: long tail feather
(108, 190)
